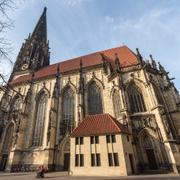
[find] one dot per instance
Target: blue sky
(78, 27)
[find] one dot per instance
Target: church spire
(34, 53)
(40, 31)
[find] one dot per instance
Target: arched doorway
(62, 157)
(149, 150)
(66, 154)
(7, 146)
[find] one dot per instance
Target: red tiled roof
(126, 57)
(98, 125)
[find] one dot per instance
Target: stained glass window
(94, 99)
(68, 105)
(116, 103)
(5, 102)
(8, 139)
(136, 100)
(40, 118)
(16, 103)
(158, 96)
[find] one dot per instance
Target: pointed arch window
(136, 100)
(158, 95)
(116, 103)
(8, 139)
(16, 103)
(40, 118)
(68, 105)
(147, 142)
(5, 103)
(94, 99)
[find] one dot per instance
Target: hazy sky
(79, 27)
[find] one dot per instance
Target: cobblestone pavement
(64, 176)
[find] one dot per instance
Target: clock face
(24, 67)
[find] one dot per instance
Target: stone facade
(121, 146)
(154, 124)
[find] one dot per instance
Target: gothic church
(122, 111)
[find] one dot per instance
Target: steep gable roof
(126, 58)
(98, 125)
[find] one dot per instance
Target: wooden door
(66, 161)
(3, 162)
(131, 163)
(151, 159)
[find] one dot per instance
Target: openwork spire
(34, 53)
(40, 31)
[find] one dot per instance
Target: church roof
(99, 124)
(126, 58)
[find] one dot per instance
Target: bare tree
(6, 24)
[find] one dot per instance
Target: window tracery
(16, 104)
(136, 99)
(94, 99)
(117, 104)
(40, 117)
(158, 96)
(68, 105)
(5, 103)
(8, 139)
(147, 142)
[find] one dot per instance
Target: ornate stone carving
(34, 53)
(140, 122)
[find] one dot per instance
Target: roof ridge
(126, 56)
(96, 114)
(131, 50)
(98, 124)
(96, 52)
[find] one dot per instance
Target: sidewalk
(2, 174)
(64, 176)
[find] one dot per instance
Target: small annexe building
(101, 145)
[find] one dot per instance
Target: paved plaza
(64, 176)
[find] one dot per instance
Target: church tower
(34, 53)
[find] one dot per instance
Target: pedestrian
(40, 171)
